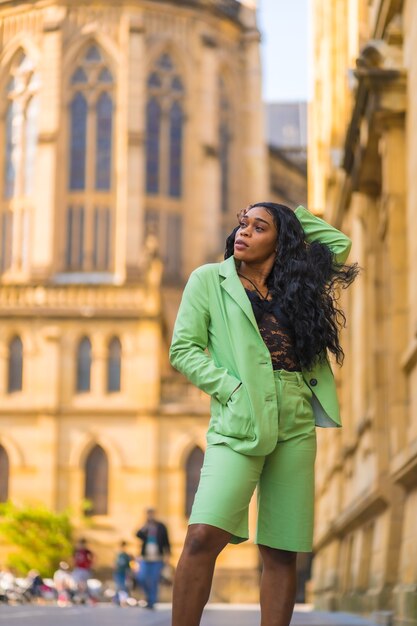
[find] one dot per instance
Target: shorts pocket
(305, 413)
(234, 419)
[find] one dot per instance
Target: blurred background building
(131, 135)
(286, 128)
(362, 172)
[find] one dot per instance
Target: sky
(285, 43)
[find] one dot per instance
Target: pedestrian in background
(155, 550)
(121, 572)
(35, 583)
(268, 315)
(83, 559)
(64, 584)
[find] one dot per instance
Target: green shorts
(284, 479)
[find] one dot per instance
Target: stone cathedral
(131, 133)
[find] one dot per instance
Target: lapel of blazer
(232, 285)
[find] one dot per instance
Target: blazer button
(313, 382)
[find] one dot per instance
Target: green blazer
(216, 314)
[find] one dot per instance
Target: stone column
(43, 225)
(357, 314)
(134, 184)
(394, 231)
(209, 211)
(393, 150)
(254, 154)
(4, 362)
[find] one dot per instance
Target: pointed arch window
(31, 142)
(21, 127)
(15, 368)
(153, 134)
(91, 196)
(75, 237)
(84, 361)
(114, 361)
(225, 137)
(96, 481)
(20, 146)
(175, 147)
(4, 475)
(79, 76)
(104, 118)
(78, 141)
(101, 238)
(93, 54)
(193, 467)
(6, 238)
(164, 129)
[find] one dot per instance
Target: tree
(42, 538)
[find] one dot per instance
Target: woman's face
(256, 238)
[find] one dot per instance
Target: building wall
(361, 173)
(288, 176)
(286, 128)
(148, 429)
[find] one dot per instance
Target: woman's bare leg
(194, 574)
(278, 586)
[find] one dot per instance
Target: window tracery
(21, 119)
(91, 167)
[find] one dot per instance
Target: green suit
(215, 313)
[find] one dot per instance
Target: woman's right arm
(189, 342)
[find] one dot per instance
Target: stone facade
(287, 142)
(97, 241)
(288, 176)
(362, 160)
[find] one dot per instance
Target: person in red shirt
(83, 560)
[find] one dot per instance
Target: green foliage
(42, 538)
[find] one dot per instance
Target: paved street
(105, 615)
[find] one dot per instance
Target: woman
(268, 315)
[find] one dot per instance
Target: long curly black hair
(306, 280)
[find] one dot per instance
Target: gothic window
(15, 369)
(104, 117)
(79, 76)
(167, 228)
(96, 481)
(164, 129)
(13, 139)
(4, 475)
(93, 54)
(21, 126)
(175, 147)
(173, 246)
(192, 477)
(75, 237)
(31, 133)
(78, 141)
(88, 240)
(20, 145)
(101, 238)
(114, 365)
(84, 365)
(153, 132)
(224, 145)
(6, 234)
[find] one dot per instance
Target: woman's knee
(202, 538)
(277, 557)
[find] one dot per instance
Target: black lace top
(276, 331)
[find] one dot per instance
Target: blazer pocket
(234, 419)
